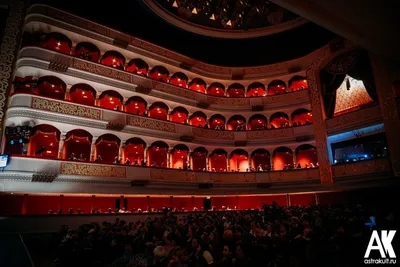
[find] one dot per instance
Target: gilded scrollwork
(226, 101)
(270, 134)
(172, 175)
(213, 134)
(66, 108)
(294, 176)
(233, 177)
(8, 51)
(319, 125)
(92, 170)
(361, 167)
(151, 124)
(359, 116)
(174, 90)
(101, 70)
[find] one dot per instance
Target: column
(96, 102)
(388, 107)
(207, 164)
(271, 161)
(294, 158)
(24, 205)
(228, 168)
(121, 148)
(93, 149)
(61, 147)
(319, 126)
(66, 96)
(169, 164)
(145, 155)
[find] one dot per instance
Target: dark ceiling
(134, 18)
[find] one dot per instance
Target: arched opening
(138, 66)
(256, 89)
(28, 84)
(282, 158)
(87, 51)
(306, 156)
(257, 122)
(157, 154)
(199, 159)
(107, 148)
(57, 42)
(260, 160)
(179, 115)
(44, 141)
(133, 152)
(217, 89)
(110, 100)
(297, 83)
(218, 161)
(237, 123)
(17, 139)
(51, 86)
(217, 122)
(236, 90)
(179, 79)
(77, 145)
(276, 87)
(113, 59)
(279, 120)
(159, 73)
(179, 157)
(239, 160)
(158, 110)
(82, 93)
(198, 118)
(302, 116)
(136, 105)
(198, 85)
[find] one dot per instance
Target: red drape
(157, 156)
(108, 150)
(56, 45)
(302, 118)
(235, 92)
(46, 139)
(110, 102)
(156, 75)
(135, 107)
(306, 157)
(198, 87)
(276, 89)
(197, 121)
(81, 96)
(257, 91)
(178, 116)
(84, 51)
(199, 161)
(233, 124)
(78, 146)
(133, 152)
(51, 90)
(239, 162)
(113, 61)
(158, 113)
(218, 162)
(217, 122)
(298, 85)
(280, 159)
(278, 122)
(260, 159)
(179, 159)
(258, 124)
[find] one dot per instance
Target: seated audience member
(82, 157)
(117, 160)
(128, 162)
(298, 166)
(99, 158)
(72, 156)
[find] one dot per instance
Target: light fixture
(175, 4)
(194, 11)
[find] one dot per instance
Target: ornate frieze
(152, 124)
(283, 133)
(226, 101)
(65, 108)
(213, 134)
(354, 118)
(101, 70)
(294, 176)
(174, 90)
(235, 177)
(8, 50)
(172, 175)
(83, 169)
(361, 167)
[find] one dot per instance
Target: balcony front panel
(95, 172)
(62, 111)
(354, 120)
(67, 23)
(359, 168)
(121, 79)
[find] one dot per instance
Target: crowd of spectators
(272, 236)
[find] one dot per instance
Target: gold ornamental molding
(66, 108)
(151, 124)
(92, 170)
(172, 175)
(213, 134)
(361, 168)
(233, 177)
(8, 52)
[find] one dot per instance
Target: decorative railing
(364, 167)
(81, 170)
(120, 78)
(354, 120)
(103, 116)
(64, 20)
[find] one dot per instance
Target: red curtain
(257, 91)
(260, 159)
(110, 102)
(199, 161)
(47, 140)
(157, 156)
(217, 122)
(135, 69)
(179, 159)
(197, 121)
(158, 113)
(278, 122)
(78, 146)
(233, 124)
(198, 87)
(217, 91)
(306, 157)
(281, 159)
(113, 61)
(235, 92)
(135, 107)
(276, 89)
(108, 150)
(302, 199)
(302, 118)
(42, 204)
(156, 75)
(84, 51)
(298, 85)
(53, 90)
(218, 162)
(258, 124)
(133, 152)
(178, 81)
(218, 202)
(178, 116)
(237, 162)
(56, 45)
(82, 96)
